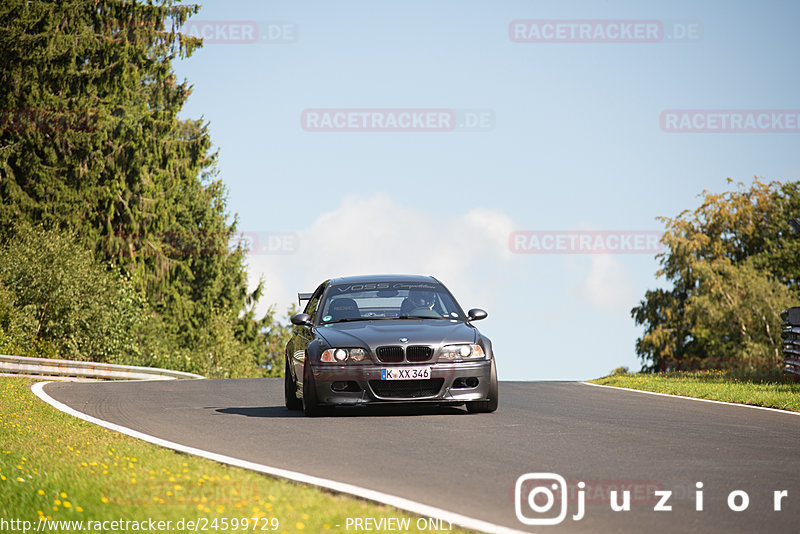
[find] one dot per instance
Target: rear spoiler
(303, 296)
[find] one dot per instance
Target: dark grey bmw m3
(387, 339)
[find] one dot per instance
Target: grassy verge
(714, 385)
(55, 466)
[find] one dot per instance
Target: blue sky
(573, 143)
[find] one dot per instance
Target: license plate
(405, 373)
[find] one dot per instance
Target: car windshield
(388, 300)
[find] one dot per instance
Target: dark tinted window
(313, 303)
(388, 300)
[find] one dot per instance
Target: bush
(58, 301)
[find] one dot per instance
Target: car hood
(374, 334)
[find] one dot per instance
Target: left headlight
(462, 352)
(343, 355)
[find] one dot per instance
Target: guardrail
(790, 332)
(42, 367)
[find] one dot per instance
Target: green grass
(714, 385)
(55, 466)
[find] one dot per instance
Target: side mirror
(301, 319)
(476, 314)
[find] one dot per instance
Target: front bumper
(449, 383)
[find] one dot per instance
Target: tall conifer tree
(90, 141)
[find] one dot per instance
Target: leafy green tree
(276, 337)
(735, 316)
(58, 298)
(733, 265)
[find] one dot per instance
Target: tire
(311, 407)
(487, 406)
(290, 389)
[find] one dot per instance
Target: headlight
(461, 352)
(357, 355)
(343, 355)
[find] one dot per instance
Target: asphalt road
(469, 463)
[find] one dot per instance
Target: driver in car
(418, 300)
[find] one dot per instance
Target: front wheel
(290, 389)
(490, 405)
(311, 407)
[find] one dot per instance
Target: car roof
(373, 278)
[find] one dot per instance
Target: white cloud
(607, 285)
(374, 234)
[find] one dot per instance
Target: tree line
(116, 244)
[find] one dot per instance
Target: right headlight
(344, 355)
(456, 353)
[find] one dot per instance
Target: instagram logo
(537, 494)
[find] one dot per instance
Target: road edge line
(401, 503)
(766, 408)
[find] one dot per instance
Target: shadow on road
(344, 411)
(259, 411)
